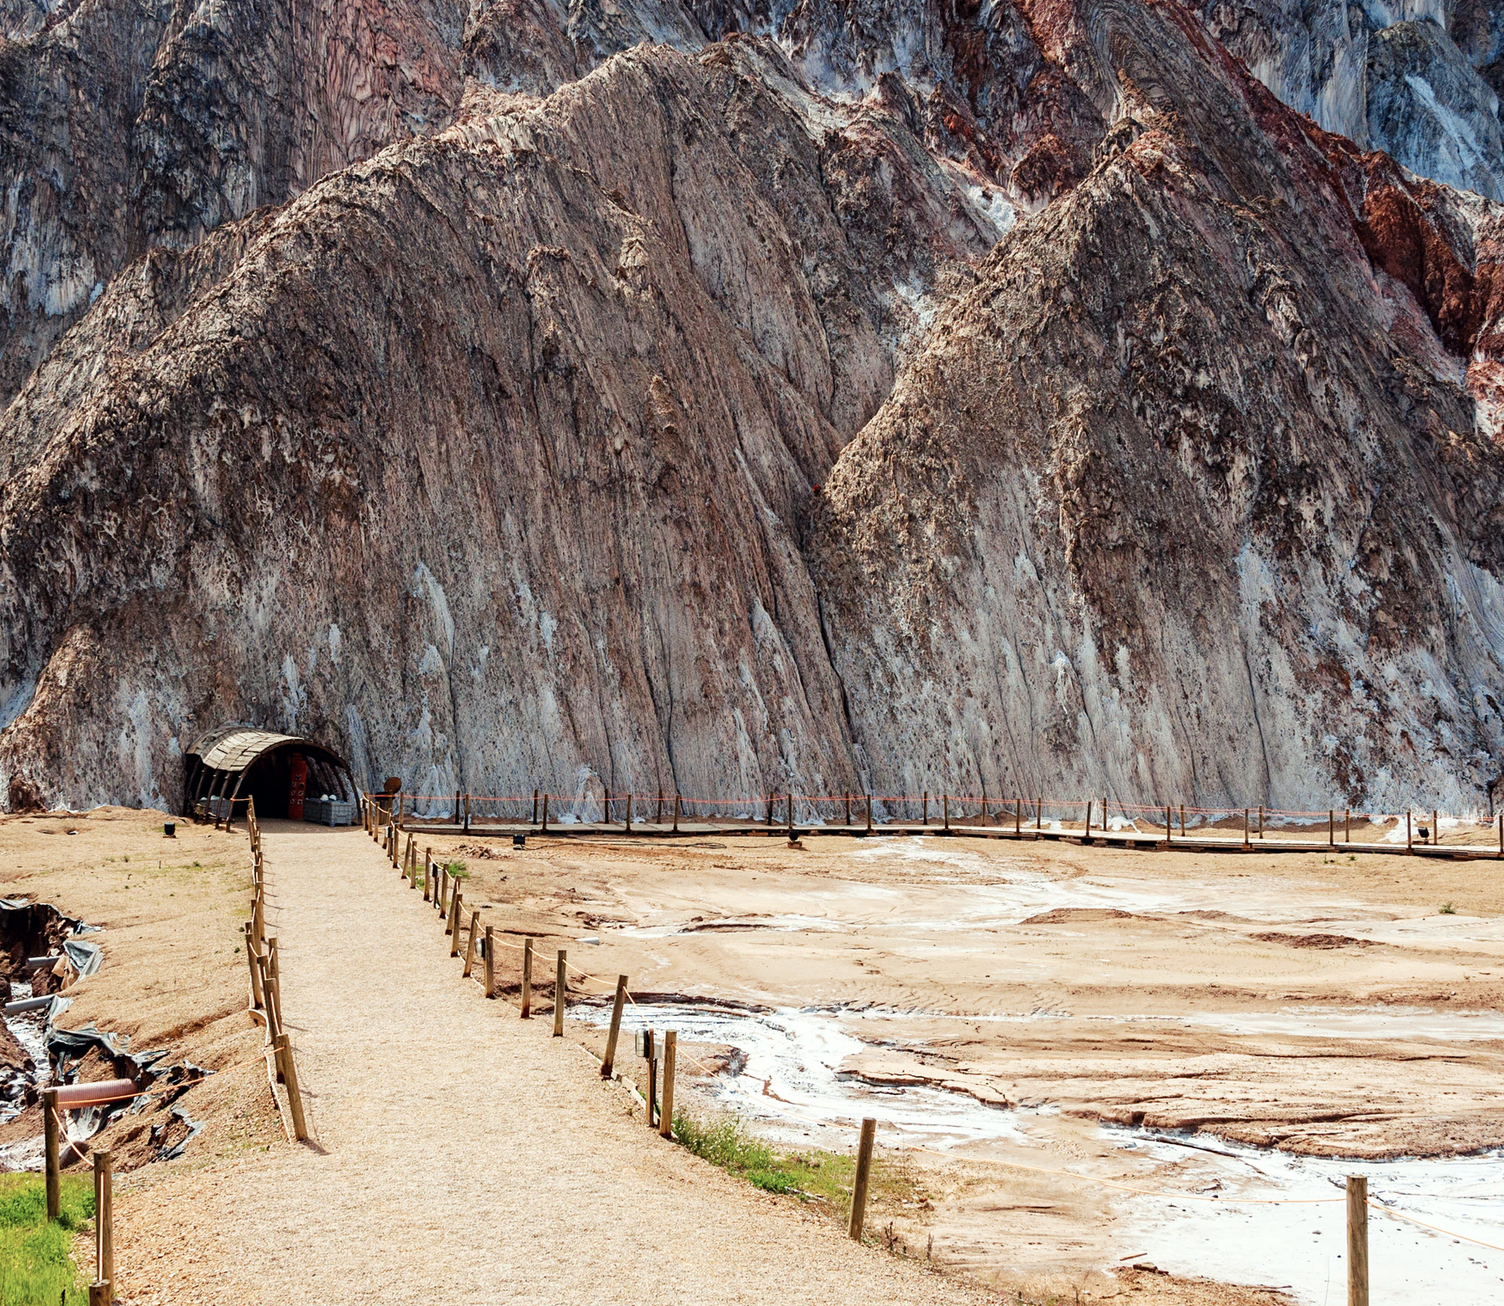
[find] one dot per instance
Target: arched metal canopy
(233, 748)
(219, 763)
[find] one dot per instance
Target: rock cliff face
(839, 395)
(1419, 79)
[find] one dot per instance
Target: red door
(297, 788)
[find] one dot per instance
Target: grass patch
(457, 870)
(811, 1176)
(36, 1256)
(1446, 909)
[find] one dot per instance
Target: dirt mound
(1066, 915)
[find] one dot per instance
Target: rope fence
(442, 891)
(1040, 816)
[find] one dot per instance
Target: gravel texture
(462, 1155)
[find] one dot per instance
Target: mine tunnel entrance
(288, 777)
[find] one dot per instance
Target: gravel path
(467, 1156)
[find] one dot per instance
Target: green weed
(1447, 909)
(36, 1261)
(457, 870)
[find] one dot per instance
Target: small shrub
(773, 1181)
(457, 870)
(1447, 909)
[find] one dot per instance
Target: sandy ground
(173, 976)
(1316, 1004)
(1007, 1011)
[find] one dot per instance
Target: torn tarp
(83, 957)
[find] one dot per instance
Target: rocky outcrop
(1182, 497)
(1417, 79)
(852, 395)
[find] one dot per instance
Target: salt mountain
(850, 395)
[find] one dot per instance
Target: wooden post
(1245, 827)
(456, 806)
(791, 818)
(848, 810)
(274, 976)
(658, 811)
(467, 813)
(1182, 820)
(605, 806)
(535, 808)
(527, 977)
(666, 1111)
(104, 1217)
(863, 1174)
(869, 813)
(470, 945)
(1347, 824)
(1409, 847)
(925, 818)
(1501, 834)
(545, 813)
(984, 804)
(676, 811)
(258, 999)
(294, 1094)
(1168, 828)
(454, 922)
(50, 1134)
(100, 1293)
(1331, 827)
(1261, 820)
(1018, 817)
(768, 814)
(1087, 838)
(652, 1094)
(1039, 814)
(1357, 1240)
(560, 990)
(490, 946)
(427, 862)
(609, 1064)
(629, 813)
(1435, 827)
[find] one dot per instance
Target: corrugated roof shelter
(237, 762)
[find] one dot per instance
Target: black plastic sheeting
(67, 1047)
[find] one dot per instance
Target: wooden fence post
(100, 1293)
(1087, 838)
(605, 806)
(629, 813)
(467, 813)
(1357, 1240)
(1435, 826)
(527, 977)
(1409, 846)
(258, 999)
(984, 804)
(652, 1094)
(535, 808)
(50, 1132)
(1039, 814)
(561, 988)
(666, 1111)
(490, 947)
(1245, 828)
(1018, 818)
(772, 798)
(427, 863)
(869, 813)
(1347, 824)
(470, 945)
(676, 811)
(104, 1218)
(791, 818)
(1168, 828)
(294, 1094)
(1261, 820)
(545, 813)
(924, 818)
(658, 811)
(863, 1175)
(454, 921)
(609, 1063)
(848, 810)
(1182, 820)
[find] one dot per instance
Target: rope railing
(656, 812)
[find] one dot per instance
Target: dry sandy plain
(1217, 1027)
(1083, 1060)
